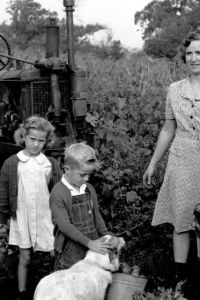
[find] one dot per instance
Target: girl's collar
(40, 158)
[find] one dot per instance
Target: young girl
(75, 212)
(24, 195)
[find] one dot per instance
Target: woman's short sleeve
(169, 115)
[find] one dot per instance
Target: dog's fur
(85, 280)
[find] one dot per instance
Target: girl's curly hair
(38, 123)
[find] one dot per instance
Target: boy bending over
(78, 225)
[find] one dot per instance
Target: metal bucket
(124, 286)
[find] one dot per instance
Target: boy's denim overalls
(83, 220)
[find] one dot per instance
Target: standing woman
(180, 190)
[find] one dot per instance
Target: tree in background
(82, 36)
(26, 32)
(28, 20)
(109, 48)
(165, 23)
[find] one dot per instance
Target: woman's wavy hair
(37, 123)
(189, 37)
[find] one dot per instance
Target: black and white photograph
(99, 150)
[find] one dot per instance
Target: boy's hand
(99, 245)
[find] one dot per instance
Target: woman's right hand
(99, 245)
(164, 140)
(147, 177)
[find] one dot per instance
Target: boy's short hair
(80, 153)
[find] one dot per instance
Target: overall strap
(67, 192)
(91, 190)
(56, 172)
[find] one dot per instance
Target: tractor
(51, 88)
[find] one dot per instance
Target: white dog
(85, 280)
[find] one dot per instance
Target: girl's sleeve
(56, 173)
(4, 198)
(169, 115)
(60, 217)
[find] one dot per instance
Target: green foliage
(127, 94)
(111, 49)
(166, 42)
(28, 21)
(159, 294)
(81, 36)
(127, 99)
(165, 23)
(26, 33)
(153, 15)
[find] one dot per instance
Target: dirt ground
(152, 253)
(41, 265)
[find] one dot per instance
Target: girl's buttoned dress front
(180, 190)
(33, 226)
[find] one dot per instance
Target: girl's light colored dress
(180, 190)
(33, 226)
